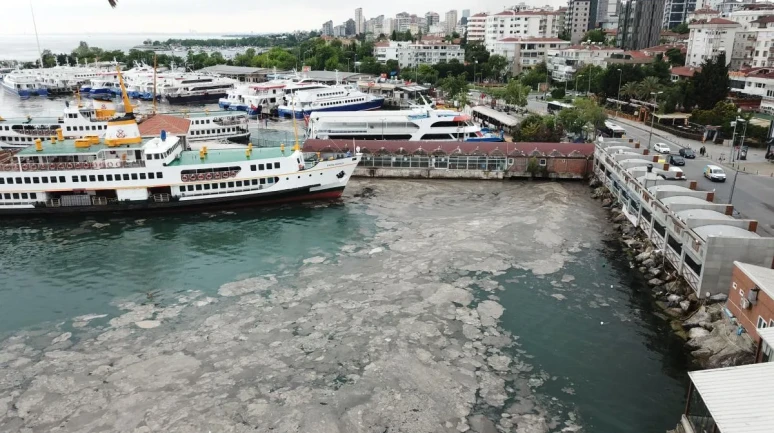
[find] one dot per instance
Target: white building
(476, 28)
(709, 38)
(431, 18)
(759, 82)
(563, 63)
(762, 56)
(525, 53)
(676, 12)
(451, 21)
(402, 21)
(577, 18)
(520, 24)
(359, 21)
(388, 25)
(411, 54)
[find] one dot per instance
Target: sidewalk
(755, 164)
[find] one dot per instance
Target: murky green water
(588, 346)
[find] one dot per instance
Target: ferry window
(101, 178)
(134, 176)
(16, 195)
(109, 177)
(10, 180)
(7, 196)
(75, 178)
(151, 175)
(92, 178)
(270, 180)
(260, 166)
(126, 177)
(214, 186)
(142, 176)
(252, 167)
(198, 187)
(27, 180)
(149, 156)
(207, 186)
(231, 184)
(44, 179)
(239, 183)
(263, 181)
(68, 128)
(190, 188)
(61, 179)
(223, 184)
(255, 181)
(24, 195)
(33, 195)
(83, 178)
(35, 180)
(93, 128)
(276, 165)
(2, 180)
(80, 128)
(159, 175)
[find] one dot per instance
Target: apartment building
(525, 53)
(676, 12)
(412, 54)
(520, 24)
(639, 23)
(709, 38)
(476, 27)
(577, 19)
(563, 63)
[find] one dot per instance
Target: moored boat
(122, 172)
(334, 98)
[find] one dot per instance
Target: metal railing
(690, 276)
(436, 162)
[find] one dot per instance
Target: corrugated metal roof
(763, 278)
(669, 188)
(494, 114)
(767, 334)
(740, 399)
(724, 231)
(684, 199)
(703, 214)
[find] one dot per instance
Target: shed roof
(503, 118)
(234, 70)
(718, 230)
(738, 398)
(767, 334)
(449, 147)
(658, 188)
(154, 124)
(763, 278)
(703, 214)
(683, 199)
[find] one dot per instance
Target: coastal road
(753, 196)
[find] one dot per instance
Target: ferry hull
(196, 99)
(363, 106)
(247, 201)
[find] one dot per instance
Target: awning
(502, 118)
(413, 88)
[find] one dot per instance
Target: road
(753, 195)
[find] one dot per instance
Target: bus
(612, 130)
(555, 106)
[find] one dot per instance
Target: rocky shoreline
(710, 336)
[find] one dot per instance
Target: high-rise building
(402, 21)
(327, 28)
(520, 24)
(388, 25)
(676, 12)
(639, 24)
(466, 13)
(339, 31)
(431, 18)
(349, 27)
(359, 21)
(577, 17)
(451, 21)
(476, 28)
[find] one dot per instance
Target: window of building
(761, 323)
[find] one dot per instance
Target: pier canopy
(399, 147)
(152, 125)
(494, 117)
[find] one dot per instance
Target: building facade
(563, 63)
(639, 23)
(577, 19)
(412, 54)
(526, 53)
(359, 21)
(431, 18)
(755, 82)
(327, 28)
(520, 24)
(476, 28)
(709, 38)
(751, 297)
(676, 12)
(349, 27)
(402, 21)
(451, 21)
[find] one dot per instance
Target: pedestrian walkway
(755, 163)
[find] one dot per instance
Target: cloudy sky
(213, 16)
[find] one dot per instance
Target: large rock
(697, 333)
(722, 347)
(642, 257)
(720, 297)
(701, 318)
(655, 282)
(606, 202)
(648, 262)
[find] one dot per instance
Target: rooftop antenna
(35, 26)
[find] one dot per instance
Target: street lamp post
(733, 136)
(303, 62)
(741, 143)
(652, 115)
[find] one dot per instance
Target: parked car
(714, 173)
(676, 160)
(661, 148)
(674, 173)
(687, 152)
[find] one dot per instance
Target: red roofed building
(152, 125)
(521, 24)
(709, 37)
(683, 72)
(662, 49)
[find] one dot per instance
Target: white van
(714, 173)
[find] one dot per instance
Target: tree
(647, 86)
(711, 82)
(570, 120)
(533, 77)
(565, 35)
(476, 51)
(454, 85)
(497, 65)
(594, 36)
(592, 115)
(557, 93)
(516, 93)
(675, 57)
(394, 35)
(630, 90)
(681, 28)
(537, 128)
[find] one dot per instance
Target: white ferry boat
(122, 173)
(23, 84)
(335, 98)
(412, 125)
(199, 89)
(258, 98)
